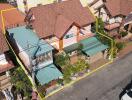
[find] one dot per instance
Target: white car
(127, 95)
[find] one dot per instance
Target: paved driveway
(105, 84)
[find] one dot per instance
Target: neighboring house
(62, 25)
(35, 53)
(11, 18)
(113, 13)
(5, 63)
(128, 22)
(25, 5)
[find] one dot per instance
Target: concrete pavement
(105, 84)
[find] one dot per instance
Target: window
(43, 58)
(69, 36)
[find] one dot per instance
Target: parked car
(127, 95)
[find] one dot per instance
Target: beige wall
(54, 41)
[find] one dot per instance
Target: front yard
(71, 71)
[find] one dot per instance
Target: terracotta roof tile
(6, 67)
(11, 18)
(117, 7)
(55, 19)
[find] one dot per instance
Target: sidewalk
(98, 63)
(126, 50)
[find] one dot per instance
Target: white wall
(115, 20)
(88, 28)
(23, 56)
(118, 19)
(3, 60)
(72, 40)
(104, 15)
(20, 5)
(32, 3)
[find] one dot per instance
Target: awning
(47, 74)
(71, 48)
(92, 46)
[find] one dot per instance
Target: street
(105, 84)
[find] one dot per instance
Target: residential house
(64, 25)
(113, 13)
(35, 53)
(11, 19)
(128, 23)
(25, 5)
(5, 63)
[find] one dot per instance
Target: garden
(71, 71)
(117, 45)
(21, 84)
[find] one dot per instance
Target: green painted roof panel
(71, 48)
(29, 41)
(92, 46)
(47, 74)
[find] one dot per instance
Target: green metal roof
(47, 74)
(29, 41)
(71, 48)
(92, 46)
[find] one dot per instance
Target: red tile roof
(117, 7)
(11, 18)
(3, 44)
(6, 67)
(55, 19)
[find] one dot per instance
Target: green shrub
(123, 34)
(120, 46)
(61, 59)
(131, 30)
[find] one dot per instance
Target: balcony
(42, 61)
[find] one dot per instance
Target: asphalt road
(105, 84)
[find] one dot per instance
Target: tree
(62, 59)
(123, 33)
(3, 1)
(21, 81)
(101, 30)
(119, 46)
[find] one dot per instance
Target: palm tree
(21, 81)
